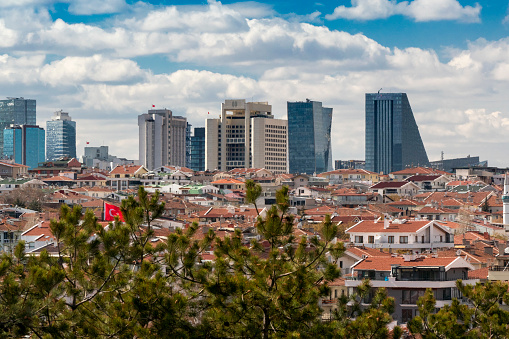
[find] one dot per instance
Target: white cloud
(89, 7)
(419, 10)
(79, 70)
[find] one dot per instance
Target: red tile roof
(126, 169)
(385, 263)
(370, 226)
(389, 184)
(419, 170)
(415, 178)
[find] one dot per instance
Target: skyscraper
(17, 111)
(162, 139)
(24, 144)
(198, 149)
(60, 136)
(246, 136)
(393, 141)
(309, 137)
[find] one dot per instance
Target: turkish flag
(111, 211)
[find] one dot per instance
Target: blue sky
(106, 61)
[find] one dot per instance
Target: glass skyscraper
(24, 144)
(60, 136)
(393, 141)
(309, 137)
(17, 111)
(198, 150)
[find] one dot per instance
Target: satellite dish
(506, 251)
(458, 252)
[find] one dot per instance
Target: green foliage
(480, 317)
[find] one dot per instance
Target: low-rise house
(93, 191)
(53, 168)
(341, 176)
(13, 170)
(126, 176)
(411, 235)
(436, 213)
(411, 171)
(406, 279)
(401, 188)
(228, 184)
(435, 182)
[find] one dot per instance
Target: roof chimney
(488, 250)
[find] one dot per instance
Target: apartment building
(246, 136)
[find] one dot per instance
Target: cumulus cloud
(418, 10)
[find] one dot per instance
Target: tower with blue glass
(60, 137)
(198, 149)
(393, 141)
(309, 137)
(17, 111)
(24, 144)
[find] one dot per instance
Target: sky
(107, 61)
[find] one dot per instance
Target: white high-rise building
(505, 201)
(246, 136)
(162, 139)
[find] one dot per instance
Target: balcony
(498, 273)
(393, 283)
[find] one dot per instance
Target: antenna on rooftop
(442, 156)
(379, 90)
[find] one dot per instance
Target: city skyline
(109, 61)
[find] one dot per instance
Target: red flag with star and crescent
(111, 211)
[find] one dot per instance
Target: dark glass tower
(15, 111)
(60, 137)
(198, 149)
(393, 141)
(309, 142)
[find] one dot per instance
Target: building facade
(393, 141)
(309, 137)
(162, 139)
(60, 137)
(24, 144)
(246, 136)
(17, 111)
(99, 157)
(198, 150)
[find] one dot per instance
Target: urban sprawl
(405, 223)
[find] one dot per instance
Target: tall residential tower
(393, 141)
(246, 136)
(162, 139)
(60, 136)
(309, 137)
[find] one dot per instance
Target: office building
(198, 150)
(16, 111)
(99, 157)
(24, 144)
(309, 137)
(246, 136)
(393, 141)
(189, 134)
(162, 139)
(60, 137)
(449, 165)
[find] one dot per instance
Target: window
(390, 239)
(403, 240)
(406, 315)
(411, 296)
(371, 239)
(359, 239)
(341, 264)
(441, 239)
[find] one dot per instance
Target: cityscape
(254, 169)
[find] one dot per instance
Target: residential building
(17, 111)
(309, 137)
(246, 135)
(407, 277)
(341, 176)
(54, 168)
(24, 144)
(401, 188)
(412, 235)
(13, 170)
(393, 141)
(60, 136)
(162, 139)
(126, 176)
(435, 182)
(198, 150)
(349, 164)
